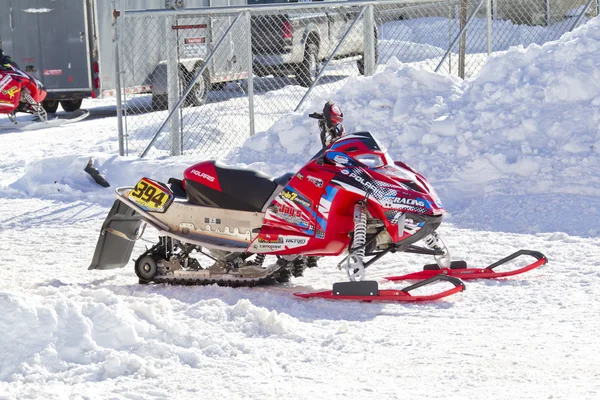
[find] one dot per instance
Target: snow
(513, 152)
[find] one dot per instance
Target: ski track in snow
(70, 333)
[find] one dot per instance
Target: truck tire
(361, 62)
(198, 95)
(50, 106)
(71, 105)
(309, 67)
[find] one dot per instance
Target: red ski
(369, 291)
(459, 269)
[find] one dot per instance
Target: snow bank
(527, 125)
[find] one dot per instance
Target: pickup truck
(295, 43)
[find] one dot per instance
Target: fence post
(489, 26)
(548, 16)
(191, 84)
(173, 84)
(250, 72)
(369, 60)
(462, 31)
(121, 134)
(463, 38)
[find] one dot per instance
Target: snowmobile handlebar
(316, 115)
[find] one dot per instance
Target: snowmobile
(350, 199)
(22, 92)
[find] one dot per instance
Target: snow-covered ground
(514, 153)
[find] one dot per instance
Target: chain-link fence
(215, 76)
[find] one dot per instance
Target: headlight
(370, 160)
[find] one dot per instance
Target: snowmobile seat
(241, 189)
(284, 179)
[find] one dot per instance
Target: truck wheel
(71, 105)
(199, 92)
(309, 68)
(361, 62)
(50, 106)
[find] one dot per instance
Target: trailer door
(54, 41)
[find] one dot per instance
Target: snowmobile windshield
(363, 147)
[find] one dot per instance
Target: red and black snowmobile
(351, 198)
(20, 92)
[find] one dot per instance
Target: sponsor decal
(320, 235)
(5, 81)
(295, 197)
(52, 72)
(212, 220)
(298, 241)
(276, 240)
(341, 160)
(345, 171)
(11, 92)
(315, 181)
(370, 186)
(389, 203)
(203, 175)
(300, 176)
(283, 209)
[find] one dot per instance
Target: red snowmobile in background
(351, 198)
(19, 91)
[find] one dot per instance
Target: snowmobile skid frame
(459, 268)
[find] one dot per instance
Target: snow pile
(528, 124)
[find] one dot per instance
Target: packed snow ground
(514, 153)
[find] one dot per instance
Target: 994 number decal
(151, 196)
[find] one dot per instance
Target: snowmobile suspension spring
(360, 231)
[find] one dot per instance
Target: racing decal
(339, 158)
(203, 175)
(418, 205)
(295, 197)
(267, 243)
(5, 103)
(364, 183)
(292, 242)
(315, 181)
(11, 91)
(215, 221)
(5, 81)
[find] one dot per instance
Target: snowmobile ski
(33, 125)
(459, 269)
(369, 291)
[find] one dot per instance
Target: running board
(369, 291)
(460, 271)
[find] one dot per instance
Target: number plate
(151, 195)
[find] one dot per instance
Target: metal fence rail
(212, 77)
